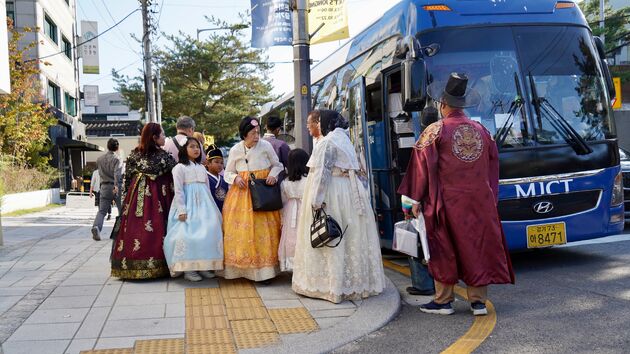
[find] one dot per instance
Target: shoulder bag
(325, 230)
(264, 197)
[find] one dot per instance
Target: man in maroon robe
(453, 174)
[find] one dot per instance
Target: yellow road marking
(478, 332)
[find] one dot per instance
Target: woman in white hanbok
(352, 270)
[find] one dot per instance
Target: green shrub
(17, 179)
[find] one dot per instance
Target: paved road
(567, 300)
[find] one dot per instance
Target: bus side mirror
(601, 51)
(414, 77)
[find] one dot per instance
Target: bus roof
(411, 17)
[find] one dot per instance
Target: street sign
(89, 50)
(617, 99)
(271, 23)
(90, 95)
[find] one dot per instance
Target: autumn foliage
(24, 120)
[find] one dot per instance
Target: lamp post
(235, 27)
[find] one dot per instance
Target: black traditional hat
(454, 92)
(213, 152)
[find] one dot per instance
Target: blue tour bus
(545, 90)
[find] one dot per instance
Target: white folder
(418, 224)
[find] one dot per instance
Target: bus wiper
(516, 105)
(580, 146)
(557, 121)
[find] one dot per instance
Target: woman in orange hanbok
(250, 238)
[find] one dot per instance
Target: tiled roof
(113, 127)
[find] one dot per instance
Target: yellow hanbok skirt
(250, 238)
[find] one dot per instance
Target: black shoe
(415, 291)
(109, 216)
(478, 308)
(438, 309)
(264, 282)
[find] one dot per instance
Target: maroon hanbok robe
(137, 250)
(454, 172)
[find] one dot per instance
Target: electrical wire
(110, 74)
(89, 40)
(119, 30)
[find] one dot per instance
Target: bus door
(359, 132)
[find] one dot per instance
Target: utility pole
(158, 89)
(146, 43)
(302, 73)
(601, 20)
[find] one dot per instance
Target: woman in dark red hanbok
(137, 250)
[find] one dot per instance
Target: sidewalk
(56, 296)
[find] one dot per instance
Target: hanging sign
(89, 50)
(271, 23)
(328, 19)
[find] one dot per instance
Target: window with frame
(50, 28)
(71, 104)
(53, 95)
(11, 11)
(66, 46)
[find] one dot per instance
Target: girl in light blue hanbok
(194, 239)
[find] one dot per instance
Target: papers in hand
(418, 224)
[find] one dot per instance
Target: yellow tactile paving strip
(253, 326)
(208, 336)
(225, 319)
(159, 346)
(481, 328)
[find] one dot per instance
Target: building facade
(56, 38)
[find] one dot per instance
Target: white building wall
(5, 79)
(61, 70)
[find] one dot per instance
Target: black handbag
(325, 230)
(264, 196)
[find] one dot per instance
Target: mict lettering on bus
(541, 188)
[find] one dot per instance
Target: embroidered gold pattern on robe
(164, 190)
(136, 244)
(142, 185)
(151, 263)
(120, 245)
(148, 227)
(147, 192)
(429, 135)
(467, 143)
(123, 263)
(160, 207)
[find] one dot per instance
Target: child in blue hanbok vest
(194, 239)
(214, 165)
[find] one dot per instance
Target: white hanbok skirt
(354, 269)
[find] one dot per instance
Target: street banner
(271, 23)
(89, 50)
(330, 17)
(90, 95)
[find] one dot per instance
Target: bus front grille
(548, 206)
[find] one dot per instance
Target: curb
(374, 313)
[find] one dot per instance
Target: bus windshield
(499, 62)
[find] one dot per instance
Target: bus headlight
(617, 192)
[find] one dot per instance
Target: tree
(24, 119)
(615, 22)
(217, 81)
